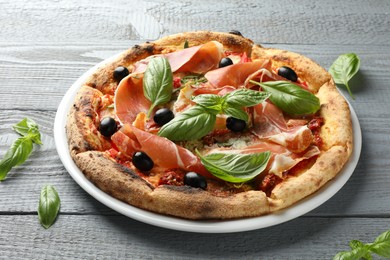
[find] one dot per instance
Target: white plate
(224, 226)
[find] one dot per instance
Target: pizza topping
(291, 98)
(197, 59)
(158, 82)
(163, 116)
(235, 124)
(108, 126)
(129, 99)
(269, 182)
(172, 177)
(288, 73)
(296, 139)
(236, 74)
(195, 180)
(225, 62)
(235, 168)
(120, 73)
(199, 120)
(142, 161)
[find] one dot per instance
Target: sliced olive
(108, 126)
(142, 161)
(235, 32)
(235, 124)
(195, 180)
(163, 116)
(288, 73)
(120, 73)
(225, 62)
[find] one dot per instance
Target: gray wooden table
(46, 45)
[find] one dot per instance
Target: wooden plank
(38, 77)
(307, 22)
(117, 237)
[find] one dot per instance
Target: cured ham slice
(197, 59)
(296, 139)
(129, 99)
(268, 120)
(235, 75)
(270, 124)
(162, 151)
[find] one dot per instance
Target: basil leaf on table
(192, 124)
(291, 98)
(22, 147)
(381, 246)
(344, 68)
(158, 82)
(28, 127)
(49, 205)
(235, 168)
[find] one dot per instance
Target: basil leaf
(235, 168)
(17, 154)
(344, 68)
(158, 82)
(236, 113)
(49, 205)
(210, 101)
(354, 254)
(28, 127)
(291, 98)
(245, 98)
(186, 45)
(192, 124)
(381, 245)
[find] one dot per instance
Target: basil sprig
(235, 168)
(381, 246)
(290, 98)
(49, 205)
(158, 82)
(22, 147)
(344, 68)
(200, 119)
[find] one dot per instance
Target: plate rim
(296, 210)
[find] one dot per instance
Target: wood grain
(117, 237)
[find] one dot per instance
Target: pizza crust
(182, 201)
(187, 202)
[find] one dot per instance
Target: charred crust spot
(321, 163)
(90, 155)
(233, 41)
(130, 173)
(149, 48)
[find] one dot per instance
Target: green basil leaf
(17, 154)
(381, 245)
(353, 244)
(210, 101)
(245, 98)
(49, 205)
(291, 98)
(236, 113)
(354, 254)
(158, 82)
(192, 124)
(28, 127)
(344, 68)
(235, 168)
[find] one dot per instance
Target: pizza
(209, 125)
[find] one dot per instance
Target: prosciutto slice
(197, 59)
(235, 75)
(162, 151)
(129, 99)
